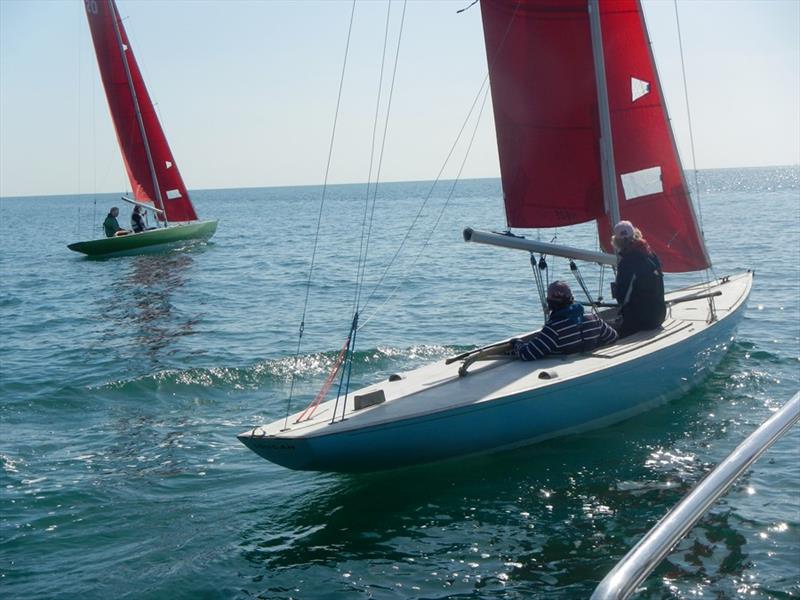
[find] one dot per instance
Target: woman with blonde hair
(639, 287)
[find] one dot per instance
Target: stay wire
(383, 143)
(439, 174)
(364, 249)
(361, 252)
(319, 217)
(694, 157)
(427, 197)
(688, 115)
(438, 218)
(80, 47)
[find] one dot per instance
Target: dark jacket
(567, 331)
(639, 289)
(111, 226)
(137, 222)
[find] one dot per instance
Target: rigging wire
(427, 197)
(319, 217)
(688, 116)
(383, 145)
(355, 326)
(361, 252)
(346, 372)
(79, 124)
(94, 155)
(438, 177)
(441, 211)
(694, 157)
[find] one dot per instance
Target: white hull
(432, 413)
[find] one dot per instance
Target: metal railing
(637, 564)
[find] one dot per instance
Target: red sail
(651, 188)
(545, 110)
(544, 94)
(174, 197)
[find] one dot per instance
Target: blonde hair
(620, 243)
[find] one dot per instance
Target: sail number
(91, 6)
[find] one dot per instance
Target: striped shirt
(566, 332)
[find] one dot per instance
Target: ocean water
(124, 382)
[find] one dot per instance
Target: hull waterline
(502, 404)
(154, 240)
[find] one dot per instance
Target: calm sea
(124, 383)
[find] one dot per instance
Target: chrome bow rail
(640, 561)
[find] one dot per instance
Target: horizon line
(306, 185)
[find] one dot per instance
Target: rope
(576, 272)
(327, 385)
(538, 268)
(466, 8)
(319, 218)
(351, 339)
(602, 277)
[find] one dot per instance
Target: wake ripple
(307, 367)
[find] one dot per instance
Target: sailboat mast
(608, 170)
(139, 119)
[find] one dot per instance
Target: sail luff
(691, 211)
(650, 179)
(122, 50)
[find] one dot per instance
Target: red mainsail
(122, 101)
(544, 94)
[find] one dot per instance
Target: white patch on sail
(172, 194)
(639, 88)
(169, 164)
(642, 183)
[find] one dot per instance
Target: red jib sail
(544, 94)
(112, 55)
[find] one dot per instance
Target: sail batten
(545, 97)
(149, 181)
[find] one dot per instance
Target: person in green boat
(111, 225)
(137, 220)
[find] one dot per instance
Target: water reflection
(144, 307)
(550, 519)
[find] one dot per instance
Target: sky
(246, 90)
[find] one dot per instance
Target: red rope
(327, 385)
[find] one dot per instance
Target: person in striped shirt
(567, 330)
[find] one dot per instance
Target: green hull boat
(156, 182)
(153, 240)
